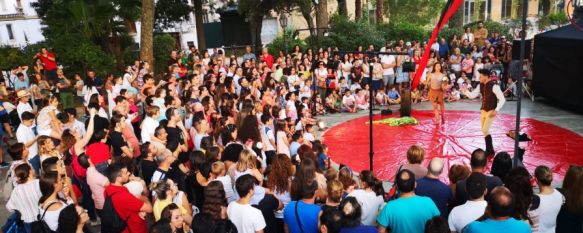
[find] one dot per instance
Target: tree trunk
(258, 25)
(147, 33)
(306, 10)
(322, 17)
(358, 9)
(457, 19)
(379, 12)
(342, 8)
(199, 26)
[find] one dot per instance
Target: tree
(379, 11)
(199, 26)
(147, 32)
(457, 19)
(255, 10)
(419, 12)
(321, 17)
(170, 12)
(358, 9)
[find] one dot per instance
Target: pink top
(131, 139)
(96, 182)
(360, 100)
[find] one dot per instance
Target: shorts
(377, 84)
(436, 96)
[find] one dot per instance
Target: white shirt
(228, 186)
(495, 89)
(549, 207)
(23, 107)
(435, 46)
(126, 80)
(464, 214)
(149, 126)
(24, 134)
(291, 80)
(246, 218)
(267, 135)
(43, 121)
(309, 137)
(24, 198)
(388, 59)
(370, 203)
(468, 36)
(348, 100)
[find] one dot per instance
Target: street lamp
(283, 22)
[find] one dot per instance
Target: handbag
(408, 66)
(40, 226)
(14, 224)
(393, 192)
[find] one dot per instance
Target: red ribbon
(423, 63)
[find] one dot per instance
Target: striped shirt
(24, 198)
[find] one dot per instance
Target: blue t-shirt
(293, 148)
(321, 160)
(359, 229)
(439, 192)
(489, 225)
(393, 94)
(407, 215)
(308, 215)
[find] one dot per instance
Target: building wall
(25, 24)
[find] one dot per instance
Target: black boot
(489, 146)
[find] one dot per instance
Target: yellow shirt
(159, 205)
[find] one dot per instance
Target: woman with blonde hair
(335, 189)
(247, 164)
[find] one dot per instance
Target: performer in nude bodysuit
(492, 101)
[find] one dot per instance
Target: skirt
(436, 96)
(402, 77)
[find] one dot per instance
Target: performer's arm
(475, 93)
(499, 96)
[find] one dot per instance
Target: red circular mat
(453, 141)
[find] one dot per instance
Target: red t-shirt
(127, 207)
(98, 152)
(49, 65)
(79, 171)
(268, 60)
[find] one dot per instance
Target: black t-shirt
(148, 169)
(268, 205)
(117, 141)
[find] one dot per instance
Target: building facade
(19, 23)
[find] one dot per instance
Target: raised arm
(90, 128)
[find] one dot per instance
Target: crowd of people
(226, 144)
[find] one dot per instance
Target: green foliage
(447, 33)
(169, 12)
(12, 57)
(163, 45)
(558, 18)
(277, 44)
(418, 12)
(492, 26)
(348, 35)
(402, 31)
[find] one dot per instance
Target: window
(10, 33)
(468, 11)
(506, 9)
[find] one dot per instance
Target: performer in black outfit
(492, 101)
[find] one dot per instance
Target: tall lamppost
(283, 22)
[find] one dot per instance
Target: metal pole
(516, 159)
(370, 97)
(284, 42)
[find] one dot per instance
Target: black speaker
(516, 49)
(405, 103)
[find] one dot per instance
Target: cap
(22, 93)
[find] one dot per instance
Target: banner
(450, 8)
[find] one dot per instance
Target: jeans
(35, 163)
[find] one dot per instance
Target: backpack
(40, 226)
(110, 220)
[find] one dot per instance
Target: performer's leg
(442, 106)
(486, 124)
(435, 112)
